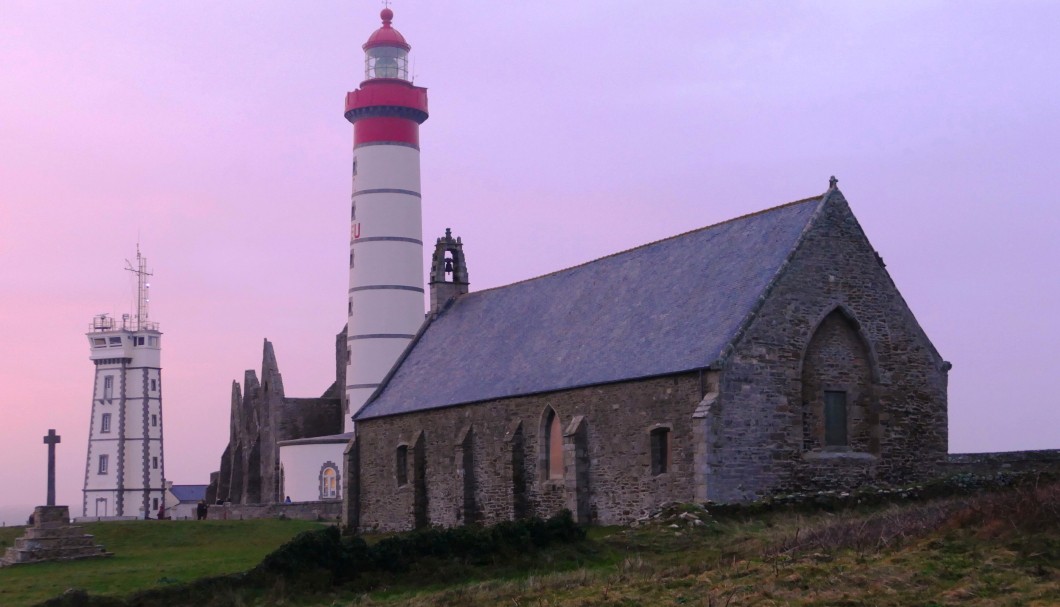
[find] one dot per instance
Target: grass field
(987, 551)
(146, 554)
(991, 549)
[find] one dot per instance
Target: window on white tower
(108, 387)
(104, 423)
(103, 461)
(154, 463)
(154, 420)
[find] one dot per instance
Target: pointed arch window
(552, 447)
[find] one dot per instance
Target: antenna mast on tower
(142, 295)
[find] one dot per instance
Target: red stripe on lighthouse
(377, 129)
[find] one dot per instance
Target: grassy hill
(993, 548)
(146, 554)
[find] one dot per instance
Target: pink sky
(559, 132)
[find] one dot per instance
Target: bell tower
(385, 300)
(448, 271)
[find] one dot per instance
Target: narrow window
(103, 461)
(154, 463)
(139, 341)
(835, 419)
(154, 385)
(660, 451)
(329, 484)
(351, 259)
(104, 424)
(154, 420)
(154, 504)
(402, 465)
(554, 440)
(108, 387)
(349, 308)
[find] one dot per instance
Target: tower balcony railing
(127, 322)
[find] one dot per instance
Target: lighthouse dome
(386, 35)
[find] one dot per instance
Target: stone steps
(52, 538)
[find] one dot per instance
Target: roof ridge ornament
(833, 183)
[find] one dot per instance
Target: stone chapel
(765, 354)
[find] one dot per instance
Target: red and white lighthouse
(385, 305)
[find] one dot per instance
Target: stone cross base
(52, 538)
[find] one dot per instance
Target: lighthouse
(125, 471)
(386, 295)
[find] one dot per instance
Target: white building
(125, 468)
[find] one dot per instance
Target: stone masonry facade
(834, 320)
(830, 328)
(506, 456)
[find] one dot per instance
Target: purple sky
(559, 132)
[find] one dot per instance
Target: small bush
(344, 558)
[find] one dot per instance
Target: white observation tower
(125, 472)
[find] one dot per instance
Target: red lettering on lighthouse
(356, 230)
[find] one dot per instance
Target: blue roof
(662, 308)
(189, 493)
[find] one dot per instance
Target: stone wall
(307, 511)
(491, 454)
(1047, 460)
(766, 429)
(262, 416)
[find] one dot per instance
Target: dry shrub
(1030, 508)
(871, 533)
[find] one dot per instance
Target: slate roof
(662, 308)
(188, 493)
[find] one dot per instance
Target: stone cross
(51, 440)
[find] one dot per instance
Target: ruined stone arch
(838, 372)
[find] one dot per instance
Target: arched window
(552, 446)
(329, 481)
(839, 411)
